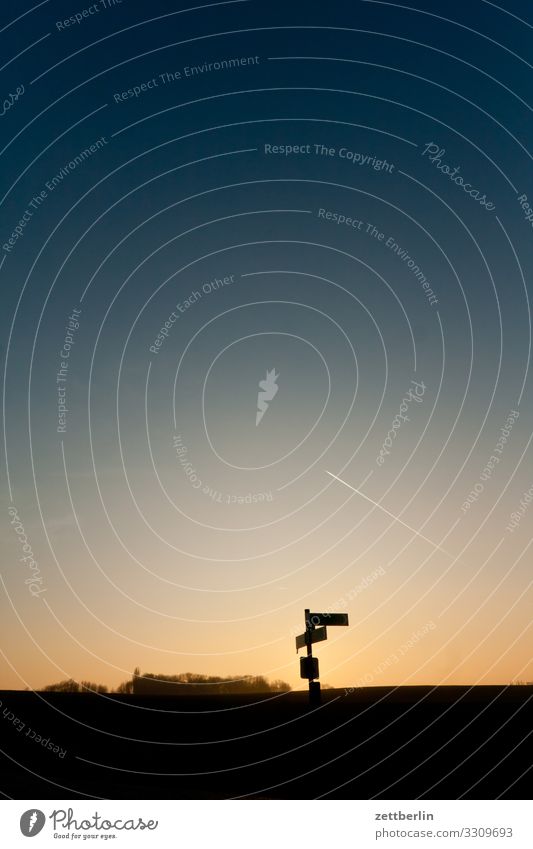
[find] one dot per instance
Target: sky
(331, 200)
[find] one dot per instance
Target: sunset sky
(288, 211)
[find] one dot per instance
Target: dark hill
(404, 743)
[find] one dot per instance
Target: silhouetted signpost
(315, 632)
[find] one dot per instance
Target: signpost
(314, 634)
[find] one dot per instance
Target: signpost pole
(308, 628)
(314, 686)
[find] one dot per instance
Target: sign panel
(309, 667)
(328, 618)
(301, 641)
(312, 636)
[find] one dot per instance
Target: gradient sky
(143, 564)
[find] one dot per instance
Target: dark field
(404, 743)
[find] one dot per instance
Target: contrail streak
(396, 518)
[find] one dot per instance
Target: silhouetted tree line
(185, 682)
(71, 686)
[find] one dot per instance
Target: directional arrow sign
(314, 636)
(328, 618)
